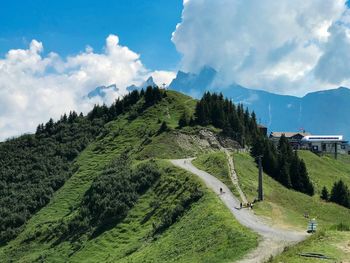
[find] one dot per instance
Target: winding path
(233, 176)
(274, 239)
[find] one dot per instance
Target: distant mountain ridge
(101, 91)
(144, 85)
(321, 112)
(194, 84)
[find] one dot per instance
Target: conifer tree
(340, 194)
(49, 126)
(307, 186)
(284, 177)
(64, 118)
(324, 194)
(149, 95)
(40, 129)
(269, 160)
(294, 172)
(200, 114)
(183, 121)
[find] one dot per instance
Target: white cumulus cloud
(285, 46)
(34, 88)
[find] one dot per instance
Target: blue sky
(66, 27)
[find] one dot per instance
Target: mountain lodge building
(320, 144)
(294, 138)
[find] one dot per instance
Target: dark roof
(288, 134)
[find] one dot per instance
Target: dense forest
(281, 163)
(33, 167)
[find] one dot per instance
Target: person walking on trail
(240, 205)
(220, 190)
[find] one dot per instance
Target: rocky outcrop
(205, 140)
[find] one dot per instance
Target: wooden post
(260, 187)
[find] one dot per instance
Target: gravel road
(274, 240)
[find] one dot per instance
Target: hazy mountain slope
(327, 112)
(277, 112)
(323, 112)
(193, 84)
(102, 91)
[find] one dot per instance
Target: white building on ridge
(326, 144)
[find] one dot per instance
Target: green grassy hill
(286, 208)
(325, 170)
(175, 218)
(202, 231)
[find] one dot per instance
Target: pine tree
(72, 116)
(257, 147)
(64, 118)
(149, 97)
(269, 159)
(294, 172)
(307, 186)
(340, 194)
(285, 149)
(49, 126)
(324, 194)
(200, 114)
(253, 127)
(39, 129)
(183, 121)
(142, 93)
(284, 177)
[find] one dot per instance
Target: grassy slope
(286, 208)
(216, 164)
(206, 233)
(334, 244)
(219, 232)
(325, 170)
